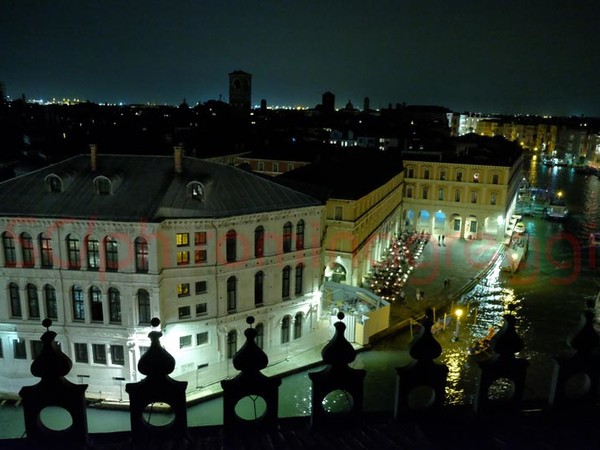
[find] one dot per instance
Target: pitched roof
(145, 188)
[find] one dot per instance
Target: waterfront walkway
(463, 262)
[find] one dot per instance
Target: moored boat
(481, 349)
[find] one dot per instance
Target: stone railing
(420, 414)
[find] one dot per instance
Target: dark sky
(525, 56)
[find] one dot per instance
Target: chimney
(178, 154)
(93, 156)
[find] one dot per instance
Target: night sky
(491, 56)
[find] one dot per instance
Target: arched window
(27, 250)
(457, 195)
(285, 330)
(93, 253)
(440, 194)
(231, 294)
(196, 191)
(10, 255)
(144, 312)
(260, 335)
(299, 288)
(53, 183)
(78, 303)
(96, 308)
(112, 254)
(114, 305)
(298, 325)
(231, 344)
(259, 279)
(102, 186)
(259, 242)
(73, 252)
(46, 258)
(50, 300)
(33, 303)
(287, 237)
(231, 246)
(285, 282)
(141, 255)
(300, 235)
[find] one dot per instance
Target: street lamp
(458, 313)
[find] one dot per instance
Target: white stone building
(100, 244)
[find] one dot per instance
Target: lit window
(78, 303)
(196, 191)
(182, 239)
(46, 250)
(183, 258)
(476, 177)
(183, 289)
(93, 253)
(141, 255)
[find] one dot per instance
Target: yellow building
(467, 192)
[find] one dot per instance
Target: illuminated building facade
(101, 244)
(468, 192)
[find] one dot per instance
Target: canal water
(549, 292)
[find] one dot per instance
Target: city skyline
(511, 57)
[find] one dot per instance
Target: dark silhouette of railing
(419, 420)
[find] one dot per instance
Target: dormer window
(196, 191)
(102, 186)
(54, 183)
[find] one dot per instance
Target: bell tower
(240, 91)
